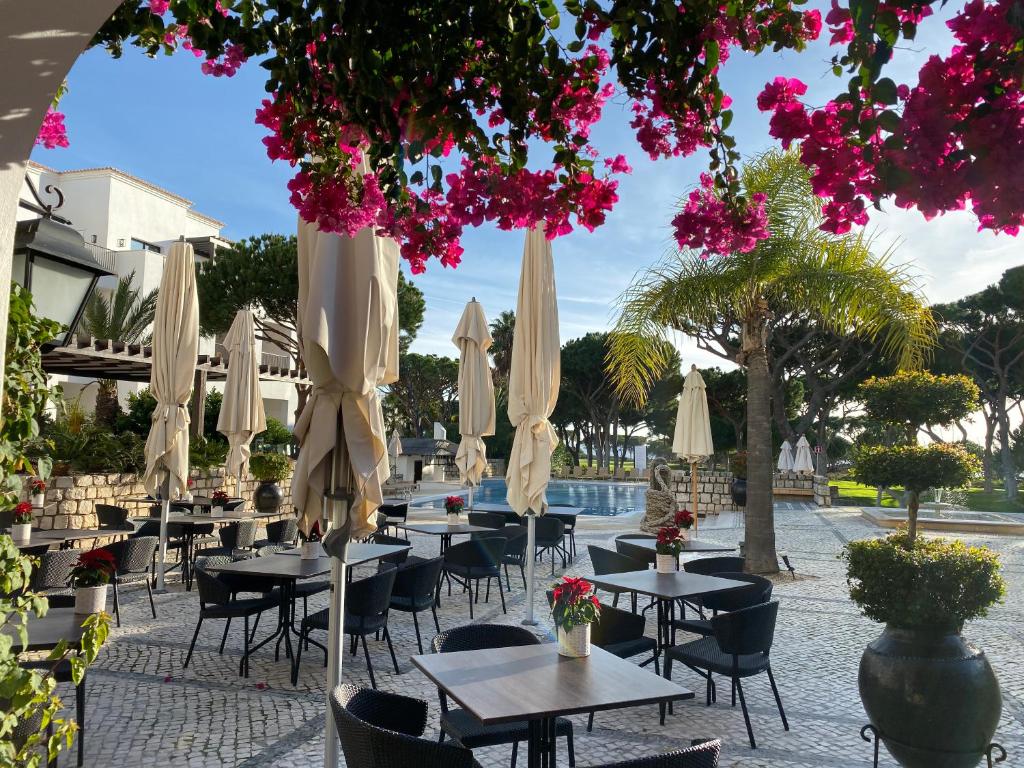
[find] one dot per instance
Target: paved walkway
(145, 710)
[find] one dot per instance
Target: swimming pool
(594, 497)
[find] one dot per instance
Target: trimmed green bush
(916, 467)
(269, 467)
(914, 398)
(924, 583)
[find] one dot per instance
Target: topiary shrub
(924, 583)
(269, 467)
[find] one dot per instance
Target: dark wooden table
(358, 553)
(443, 530)
(37, 540)
(690, 545)
(45, 633)
(534, 683)
(666, 589)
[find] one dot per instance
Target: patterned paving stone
(145, 710)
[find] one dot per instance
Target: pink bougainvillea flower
(52, 133)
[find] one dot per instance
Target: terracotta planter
(90, 599)
(38, 500)
(575, 643)
(21, 532)
(666, 563)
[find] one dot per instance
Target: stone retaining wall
(713, 489)
(71, 500)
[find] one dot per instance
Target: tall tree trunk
(760, 514)
(913, 502)
(1005, 447)
(986, 455)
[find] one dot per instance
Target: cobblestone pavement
(143, 709)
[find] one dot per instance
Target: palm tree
(125, 315)
(503, 328)
(730, 302)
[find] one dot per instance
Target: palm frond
(122, 315)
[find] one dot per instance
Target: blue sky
(164, 121)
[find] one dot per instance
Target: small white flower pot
(311, 550)
(38, 499)
(90, 599)
(21, 532)
(666, 563)
(453, 519)
(684, 534)
(216, 511)
(575, 643)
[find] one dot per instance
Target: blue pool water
(595, 498)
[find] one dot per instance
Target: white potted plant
(38, 486)
(90, 578)
(453, 506)
(311, 547)
(21, 526)
(684, 519)
(668, 547)
(574, 608)
(220, 500)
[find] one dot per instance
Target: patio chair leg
(437, 626)
(710, 691)
(416, 624)
(515, 754)
(149, 589)
(501, 591)
(470, 583)
(80, 713)
(391, 650)
(522, 575)
(298, 657)
(569, 747)
(195, 637)
(778, 699)
(590, 722)
(117, 608)
(734, 693)
(369, 664)
(245, 655)
(254, 625)
(224, 639)
(487, 595)
(746, 715)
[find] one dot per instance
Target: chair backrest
(382, 730)
(398, 557)
(709, 565)
(54, 571)
(148, 528)
(109, 516)
(515, 538)
(703, 754)
(271, 549)
(604, 561)
(6, 519)
(486, 519)
(616, 626)
(228, 535)
(759, 590)
(748, 630)
(418, 579)
(476, 637)
(370, 597)
(234, 504)
(283, 531)
(483, 553)
(568, 518)
(134, 555)
(549, 530)
(212, 591)
(246, 533)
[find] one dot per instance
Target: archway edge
(39, 43)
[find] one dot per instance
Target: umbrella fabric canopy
(692, 438)
(785, 462)
(241, 414)
(175, 346)
(476, 393)
(803, 462)
(534, 377)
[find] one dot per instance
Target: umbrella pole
(531, 561)
(470, 502)
(165, 511)
(336, 610)
(693, 492)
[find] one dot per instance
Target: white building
(128, 224)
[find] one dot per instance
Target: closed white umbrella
(394, 449)
(534, 377)
(785, 462)
(803, 461)
(175, 346)
(692, 438)
(348, 320)
(476, 394)
(242, 415)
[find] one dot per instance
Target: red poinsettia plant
(453, 504)
(38, 485)
(670, 541)
(314, 532)
(573, 603)
(219, 498)
(684, 519)
(23, 513)
(94, 568)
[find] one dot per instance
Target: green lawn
(856, 494)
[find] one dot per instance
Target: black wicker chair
(569, 521)
(415, 590)
(175, 538)
(458, 724)
(113, 518)
(399, 557)
(281, 532)
(703, 754)
(739, 648)
(515, 551)
(54, 571)
(61, 674)
(473, 561)
(622, 633)
(216, 601)
(759, 591)
(706, 566)
(486, 519)
(384, 730)
(550, 536)
(605, 562)
(236, 539)
(635, 551)
(366, 612)
(134, 563)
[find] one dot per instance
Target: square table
(690, 545)
(443, 530)
(44, 634)
(67, 535)
(359, 553)
(536, 684)
(666, 588)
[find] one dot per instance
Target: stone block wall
(71, 500)
(712, 491)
